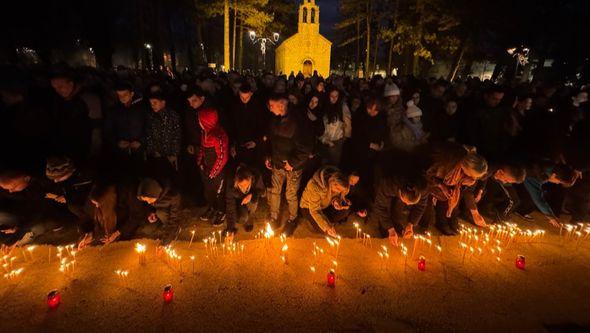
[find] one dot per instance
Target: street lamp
(521, 54)
(148, 47)
(263, 40)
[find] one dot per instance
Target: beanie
(412, 110)
(391, 90)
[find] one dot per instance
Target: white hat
(413, 111)
(391, 90)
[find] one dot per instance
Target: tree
(421, 29)
(355, 26)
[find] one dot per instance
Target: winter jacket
(338, 129)
(246, 121)
(387, 200)
(404, 138)
(368, 130)
(234, 197)
(287, 141)
(72, 129)
(214, 150)
(126, 123)
(317, 196)
(488, 130)
(167, 205)
(163, 133)
(105, 215)
(394, 120)
(534, 186)
(192, 130)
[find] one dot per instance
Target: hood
(208, 119)
(150, 188)
(321, 176)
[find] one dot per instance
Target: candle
(284, 255)
(168, 293)
(53, 299)
(193, 263)
(331, 278)
(422, 264)
(140, 249)
(192, 236)
(520, 262)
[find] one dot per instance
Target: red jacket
(213, 137)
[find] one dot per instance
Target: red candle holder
(422, 264)
(168, 293)
(331, 279)
(53, 299)
(520, 262)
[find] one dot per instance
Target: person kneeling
(163, 201)
(327, 189)
(243, 189)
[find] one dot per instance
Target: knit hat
(149, 188)
(412, 110)
(59, 167)
(391, 90)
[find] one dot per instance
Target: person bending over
(327, 188)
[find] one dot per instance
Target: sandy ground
(256, 291)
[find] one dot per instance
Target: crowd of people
(114, 151)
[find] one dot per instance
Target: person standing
(246, 126)
(124, 129)
(162, 137)
(287, 153)
(212, 158)
(71, 124)
(337, 128)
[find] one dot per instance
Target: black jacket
(234, 197)
(71, 129)
(367, 130)
(286, 141)
(246, 121)
(387, 207)
(126, 123)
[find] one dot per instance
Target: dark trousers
(526, 205)
(191, 184)
(499, 203)
(213, 190)
(579, 200)
(334, 216)
(245, 214)
(436, 213)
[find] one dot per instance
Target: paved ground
(256, 291)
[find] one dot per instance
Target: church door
(307, 68)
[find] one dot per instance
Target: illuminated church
(306, 51)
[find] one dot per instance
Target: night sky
(328, 17)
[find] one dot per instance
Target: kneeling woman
(453, 168)
(324, 201)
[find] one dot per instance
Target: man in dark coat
(394, 192)
(287, 153)
(247, 129)
(124, 128)
(71, 124)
